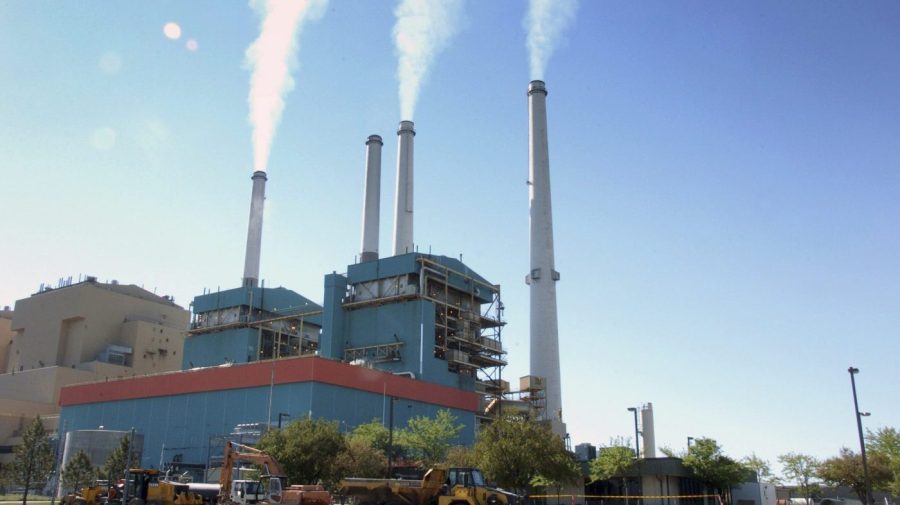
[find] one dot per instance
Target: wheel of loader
(80, 501)
(493, 499)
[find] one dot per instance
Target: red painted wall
(286, 371)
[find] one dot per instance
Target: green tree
(761, 467)
(613, 461)
(801, 469)
(461, 456)
(33, 460)
(513, 450)
(885, 442)
(114, 467)
(372, 433)
(78, 472)
(847, 470)
(429, 439)
(307, 449)
(706, 459)
(360, 459)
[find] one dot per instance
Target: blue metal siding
(183, 424)
(238, 345)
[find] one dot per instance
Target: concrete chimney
(254, 230)
(371, 200)
(647, 431)
(543, 275)
(403, 212)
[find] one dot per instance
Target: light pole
(390, 455)
(862, 441)
(637, 444)
(690, 439)
(280, 416)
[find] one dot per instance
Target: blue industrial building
(415, 333)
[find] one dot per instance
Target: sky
(725, 177)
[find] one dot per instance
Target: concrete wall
(74, 324)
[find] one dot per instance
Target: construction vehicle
(440, 486)
(271, 489)
(90, 495)
(144, 487)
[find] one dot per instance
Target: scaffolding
(284, 336)
(468, 321)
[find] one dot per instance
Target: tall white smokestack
(543, 275)
(403, 212)
(647, 431)
(254, 230)
(371, 200)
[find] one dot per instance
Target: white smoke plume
(423, 28)
(271, 58)
(545, 22)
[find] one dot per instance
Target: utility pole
(862, 440)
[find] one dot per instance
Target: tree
(78, 472)
(307, 449)
(885, 442)
(461, 456)
(114, 467)
(761, 467)
(360, 459)
(372, 433)
(847, 470)
(706, 459)
(613, 461)
(801, 468)
(429, 439)
(513, 450)
(33, 459)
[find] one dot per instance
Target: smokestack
(543, 276)
(403, 212)
(371, 200)
(254, 230)
(647, 431)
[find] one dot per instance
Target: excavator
(271, 489)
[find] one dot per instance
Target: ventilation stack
(543, 276)
(647, 430)
(254, 230)
(403, 212)
(371, 200)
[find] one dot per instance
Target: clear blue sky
(726, 186)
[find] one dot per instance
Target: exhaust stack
(647, 431)
(371, 200)
(544, 333)
(254, 230)
(403, 211)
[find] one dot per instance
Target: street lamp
(390, 454)
(280, 416)
(690, 439)
(637, 444)
(862, 442)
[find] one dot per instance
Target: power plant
(395, 337)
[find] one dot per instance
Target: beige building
(83, 332)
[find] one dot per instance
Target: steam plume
(271, 58)
(423, 28)
(545, 22)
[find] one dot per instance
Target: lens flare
(172, 30)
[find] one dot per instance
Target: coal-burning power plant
(395, 337)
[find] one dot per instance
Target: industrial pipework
(403, 211)
(254, 230)
(371, 200)
(544, 332)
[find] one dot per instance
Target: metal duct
(543, 276)
(254, 230)
(403, 211)
(371, 200)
